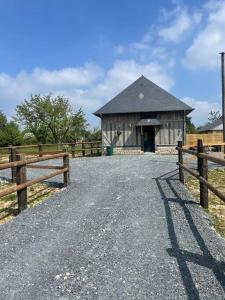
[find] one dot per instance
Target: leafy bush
(9, 132)
(93, 135)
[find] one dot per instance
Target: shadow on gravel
(169, 184)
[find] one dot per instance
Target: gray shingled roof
(216, 125)
(143, 96)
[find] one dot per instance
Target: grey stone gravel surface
(124, 229)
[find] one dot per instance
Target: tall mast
(223, 92)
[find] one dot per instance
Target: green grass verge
(36, 194)
(216, 206)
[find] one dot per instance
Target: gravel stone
(125, 228)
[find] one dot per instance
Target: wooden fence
(20, 168)
(202, 170)
(209, 139)
(82, 148)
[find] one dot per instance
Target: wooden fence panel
(214, 138)
(202, 174)
(21, 164)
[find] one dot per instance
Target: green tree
(93, 135)
(214, 115)
(3, 120)
(9, 132)
(51, 118)
(190, 127)
(78, 127)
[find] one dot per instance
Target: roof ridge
(122, 91)
(156, 99)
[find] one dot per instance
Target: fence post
(98, 145)
(66, 164)
(203, 172)
(180, 160)
(40, 150)
(91, 149)
(21, 177)
(73, 150)
(83, 149)
(12, 157)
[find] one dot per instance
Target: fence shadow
(168, 184)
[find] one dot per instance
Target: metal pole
(102, 137)
(223, 92)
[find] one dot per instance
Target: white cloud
(124, 73)
(42, 79)
(181, 22)
(176, 29)
(144, 50)
(119, 49)
(70, 82)
(81, 76)
(152, 46)
(201, 109)
(203, 53)
(89, 86)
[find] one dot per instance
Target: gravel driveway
(124, 229)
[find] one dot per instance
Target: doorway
(149, 138)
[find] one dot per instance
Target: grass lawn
(216, 206)
(36, 194)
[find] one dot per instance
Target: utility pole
(223, 92)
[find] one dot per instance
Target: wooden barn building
(143, 118)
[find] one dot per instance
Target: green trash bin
(109, 150)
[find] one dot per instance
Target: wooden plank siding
(124, 123)
(168, 133)
(171, 130)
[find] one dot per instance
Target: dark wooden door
(149, 138)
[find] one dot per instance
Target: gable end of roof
(143, 96)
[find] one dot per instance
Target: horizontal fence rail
(79, 147)
(53, 144)
(30, 161)
(28, 183)
(19, 171)
(202, 170)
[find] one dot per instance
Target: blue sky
(90, 50)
